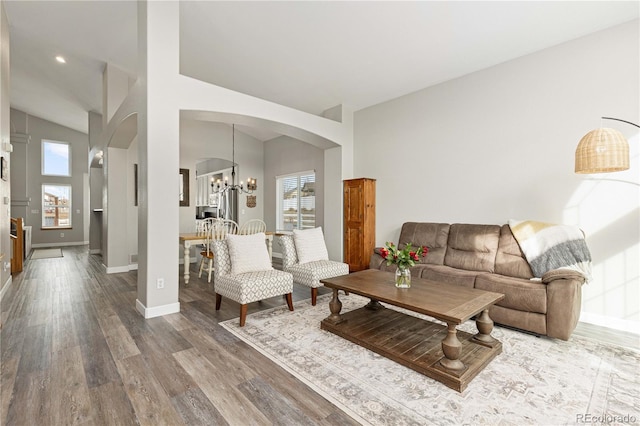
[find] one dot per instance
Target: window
(56, 160)
(56, 206)
(296, 203)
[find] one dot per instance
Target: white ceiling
(307, 55)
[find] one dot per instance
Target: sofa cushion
(248, 253)
(510, 260)
(254, 286)
(310, 245)
(432, 235)
(311, 273)
(472, 247)
(449, 275)
(519, 294)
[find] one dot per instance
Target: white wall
(499, 144)
(5, 186)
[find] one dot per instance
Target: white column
(115, 257)
(158, 149)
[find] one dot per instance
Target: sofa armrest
(376, 260)
(562, 274)
(564, 302)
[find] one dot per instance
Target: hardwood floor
(74, 350)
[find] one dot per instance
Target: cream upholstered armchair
(243, 272)
(304, 255)
(213, 229)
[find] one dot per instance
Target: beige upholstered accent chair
(243, 272)
(216, 229)
(253, 226)
(308, 262)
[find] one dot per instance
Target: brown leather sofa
(489, 258)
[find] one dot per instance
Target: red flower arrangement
(405, 258)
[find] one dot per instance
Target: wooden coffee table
(441, 352)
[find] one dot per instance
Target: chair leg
(314, 296)
(210, 269)
(218, 301)
(289, 301)
(201, 265)
(243, 314)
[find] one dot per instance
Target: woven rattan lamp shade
(601, 151)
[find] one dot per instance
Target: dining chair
(218, 230)
(252, 226)
(203, 225)
(243, 273)
(222, 227)
(304, 255)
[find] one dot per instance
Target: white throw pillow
(310, 245)
(248, 253)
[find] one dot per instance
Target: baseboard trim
(120, 269)
(6, 286)
(45, 245)
(157, 311)
(95, 251)
(116, 269)
(610, 322)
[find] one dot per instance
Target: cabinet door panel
(353, 203)
(359, 222)
(353, 249)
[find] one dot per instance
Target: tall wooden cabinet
(359, 222)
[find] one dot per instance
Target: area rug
(46, 253)
(535, 380)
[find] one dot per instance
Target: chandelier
(223, 187)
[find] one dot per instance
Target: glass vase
(403, 278)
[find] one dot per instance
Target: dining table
(190, 239)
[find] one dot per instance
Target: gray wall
(203, 140)
(40, 129)
(284, 155)
(499, 144)
(96, 182)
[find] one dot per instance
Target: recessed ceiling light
(61, 59)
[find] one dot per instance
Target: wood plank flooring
(74, 350)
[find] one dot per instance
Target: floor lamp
(603, 150)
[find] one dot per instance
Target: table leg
(373, 305)
(485, 325)
(451, 347)
(187, 264)
(335, 306)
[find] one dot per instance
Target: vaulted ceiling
(307, 55)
